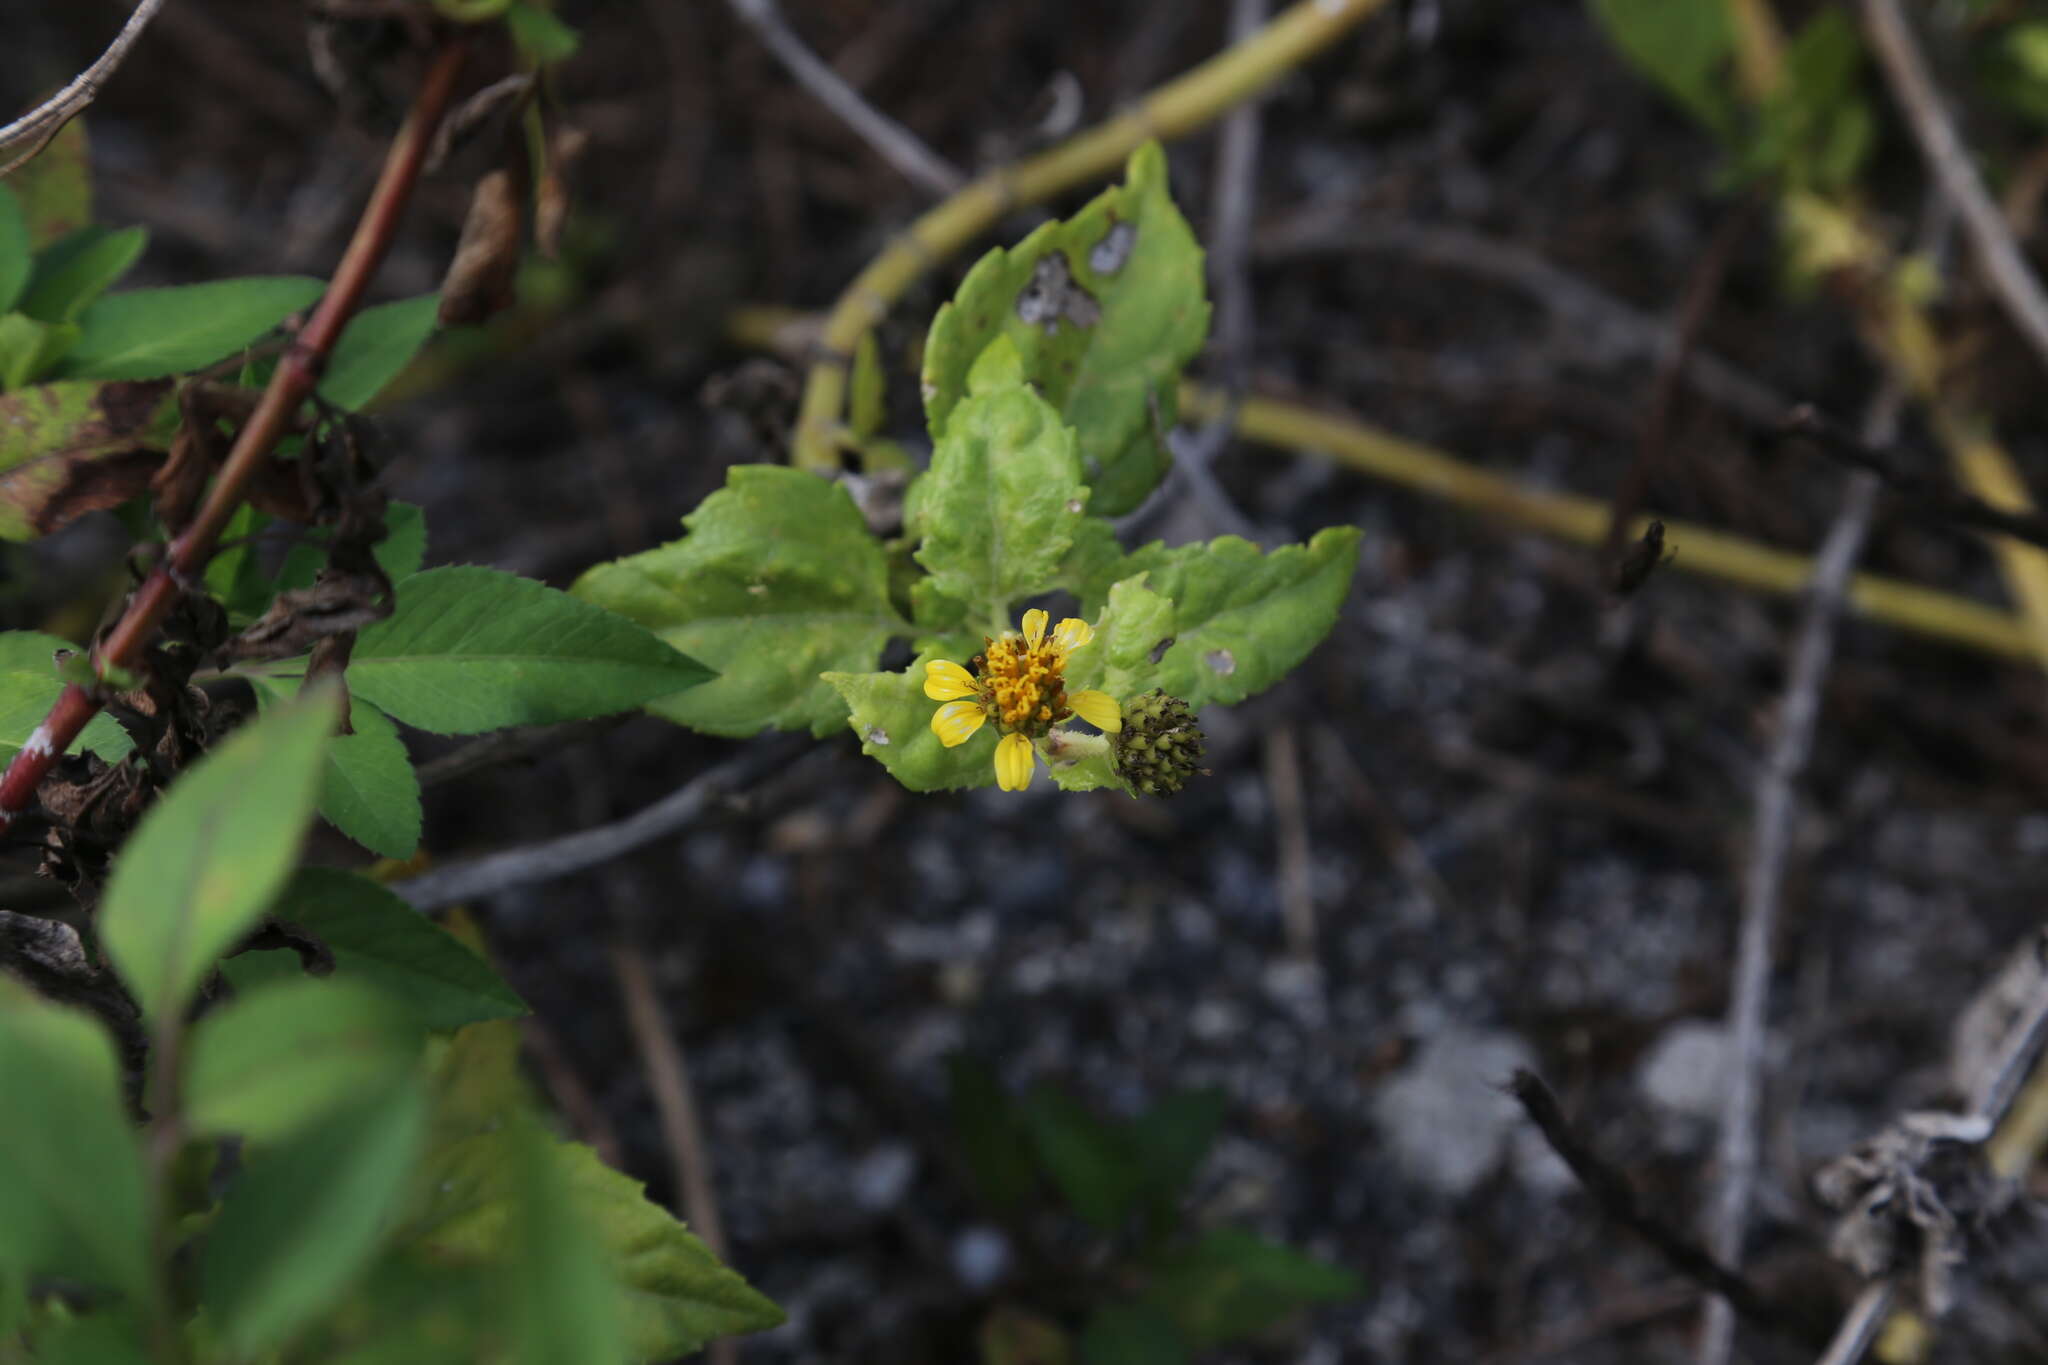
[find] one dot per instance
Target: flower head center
(1025, 683)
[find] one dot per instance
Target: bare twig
(572, 853)
(2005, 268)
(893, 142)
(1290, 832)
(33, 130)
(1932, 499)
(1617, 1200)
(298, 371)
(668, 1078)
(1859, 1325)
(1763, 878)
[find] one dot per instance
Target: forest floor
(1498, 820)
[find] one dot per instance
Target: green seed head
(1157, 749)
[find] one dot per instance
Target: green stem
(1178, 107)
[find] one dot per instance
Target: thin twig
(1617, 1200)
(552, 858)
(1928, 498)
(668, 1078)
(2005, 268)
(893, 142)
(298, 371)
(1776, 804)
(1860, 1325)
(1290, 836)
(35, 128)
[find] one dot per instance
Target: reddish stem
(298, 372)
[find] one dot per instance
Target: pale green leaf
(777, 581)
(470, 649)
(285, 1056)
(1241, 619)
(541, 36)
(1135, 624)
(559, 1284)
(144, 333)
(208, 858)
(71, 1174)
(71, 273)
(893, 717)
(306, 1217)
(29, 348)
(29, 686)
(1106, 307)
(376, 937)
(368, 788)
(377, 343)
(673, 1295)
(17, 258)
(999, 506)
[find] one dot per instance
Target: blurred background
(1498, 820)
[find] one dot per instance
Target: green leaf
(992, 1133)
(1089, 1159)
(1173, 1138)
(306, 1217)
(541, 36)
(998, 507)
(777, 581)
(1232, 1285)
(16, 257)
(1136, 624)
(71, 1177)
(1106, 308)
(376, 345)
(144, 333)
(29, 686)
(72, 272)
(1241, 620)
(209, 857)
(470, 649)
(673, 1294)
(378, 938)
(893, 717)
(1131, 1334)
(368, 788)
(74, 447)
(101, 1338)
(1680, 47)
(564, 1306)
(254, 968)
(284, 1057)
(56, 186)
(29, 348)
(1092, 563)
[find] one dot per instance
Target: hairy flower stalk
(1019, 683)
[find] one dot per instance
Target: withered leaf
(480, 278)
(75, 446)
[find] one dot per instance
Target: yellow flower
(1018, 683)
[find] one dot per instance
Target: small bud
(1157, 748)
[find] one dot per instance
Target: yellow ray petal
(1015, 762)
(1034, 627)
(956, 721)
(1099, 709)
(945, 680)
(1071, 634)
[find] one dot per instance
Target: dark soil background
(1497, 820)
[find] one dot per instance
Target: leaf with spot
(70, 448)
(778, 581)
(998, 507)
(1241, 619)
(1106, 308)
(893, 718)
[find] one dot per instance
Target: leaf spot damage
(1054, 294)
(876, 736)
(1221, 662)
(1108, 255)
